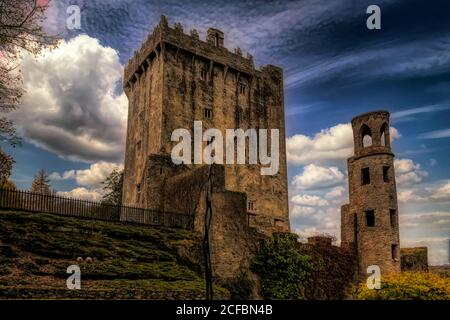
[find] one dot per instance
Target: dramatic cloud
(332, 145)
(70, 106)
(329, 145)
(407, 172)
(93, 176)
(314, 177)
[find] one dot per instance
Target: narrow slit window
(393, 216)
(365, 176)
(242, 88)
(386, 173)
(203, 75)
(138, 193)
(251, 206)
(370, 218)
(207, 113)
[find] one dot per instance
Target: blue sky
(73, 115)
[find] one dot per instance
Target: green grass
(129, 262)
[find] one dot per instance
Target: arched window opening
(366, 135)
(383, 135)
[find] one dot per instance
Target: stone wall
(233, 242)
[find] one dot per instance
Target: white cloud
(408, 196)
(329, 146)
(301, 211)
(395, 135)
(442, 192)
(408, 173)
(426, 193)
(336, 193)
(325, 221)
(96, 174)
(437, 134)
(309, 200)
(82, 193)
(70, 106)
(426, 215)
(314, 177)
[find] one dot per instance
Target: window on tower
(394, 252)
(251, 206)
(242, 88)
(365, 176)
(383, 135)
(138, 192)
(366, 136)
(386, 173)
(203, 75)
(370, 218)
(216, 40)
(207, 113)
(393, 216)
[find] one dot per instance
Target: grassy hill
(128, 262)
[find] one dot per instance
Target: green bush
(282, 269)
(407, 286)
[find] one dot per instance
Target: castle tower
(369, 223)
(176, 78)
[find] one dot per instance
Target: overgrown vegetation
(332, 272)
(407, 286)
(127, 262)
(293, 270)
(282, 269)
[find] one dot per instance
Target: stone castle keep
(369, 223)
(175, 79)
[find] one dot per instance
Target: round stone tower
(373, 209)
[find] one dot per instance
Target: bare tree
(41, 183)
(20, 31)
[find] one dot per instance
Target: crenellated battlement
(212, 49)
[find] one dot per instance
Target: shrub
(282, 269)
(407, 286)
(332, 272)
